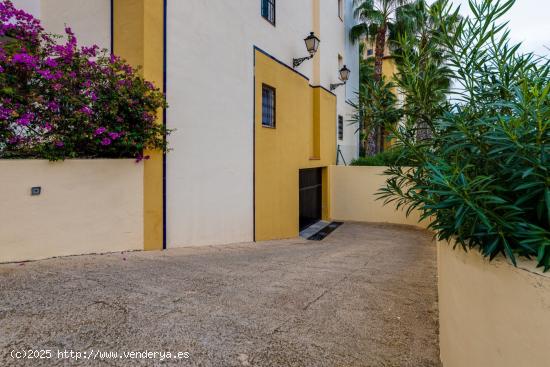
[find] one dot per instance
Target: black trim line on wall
(112, 27)
(323, 88)
(256, 48)
(254, 146)
(164, 123)
(279, 61)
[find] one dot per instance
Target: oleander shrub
(59, 100)
(392, 157)
(484, 177)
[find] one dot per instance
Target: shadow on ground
(365, 296)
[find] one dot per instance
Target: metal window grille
(340, 128)
(268, 106)
(268, 10)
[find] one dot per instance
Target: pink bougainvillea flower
(14, 140)
(26, 59)
(46, 74)
(57, 75)
(25, 120)
(100, 131)
(140, 157)
(59, 144)
(53, 106)
(114, 136)
(5, 113)
(52, 63)
(106, 141)
(86, 110)
(90, 51)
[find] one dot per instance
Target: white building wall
(210, 93)
(30, 6)
(332, 43)
(335, 42)
(211, 98)
(350, 144)
(90, 20)
(332, 35)
(210, 75)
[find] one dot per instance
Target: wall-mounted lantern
(344, 76)
(312, 44)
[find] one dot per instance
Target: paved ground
(365, 296)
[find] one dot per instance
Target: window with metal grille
(268, 106)
(268, 10)
(340, 128)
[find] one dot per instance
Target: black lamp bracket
(298, 62)
(334, 86)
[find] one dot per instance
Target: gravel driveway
(365, 296)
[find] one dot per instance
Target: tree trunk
(376, 138)
(379, 52)
(423, 132)
(369, 144)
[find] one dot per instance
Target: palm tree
(423, 74)
(374, 107)
(375, 19)
(366, 66)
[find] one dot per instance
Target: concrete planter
(85, 206)
(492, 314)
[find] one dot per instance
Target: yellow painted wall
(389, 68)
(138, 38)
(353, 197)
(304, 137)
(492, 314)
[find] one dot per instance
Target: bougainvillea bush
(59, 100)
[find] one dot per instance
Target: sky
(529, 24)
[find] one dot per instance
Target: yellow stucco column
(316, 19)
(138, 37)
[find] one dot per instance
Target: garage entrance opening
(311, 196)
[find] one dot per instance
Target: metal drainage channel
(319, 236)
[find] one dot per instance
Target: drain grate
(319, 236)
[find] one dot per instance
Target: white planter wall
(86, 206)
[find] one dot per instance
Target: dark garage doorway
(311, 196)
